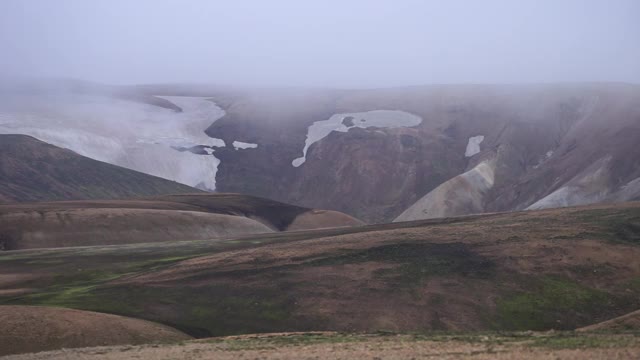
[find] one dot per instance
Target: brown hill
(627, 322)
(31, 170)
(28, 329)
(156, 219)
(535, 270)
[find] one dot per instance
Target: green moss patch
(552, 303)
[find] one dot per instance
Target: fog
(341, 43)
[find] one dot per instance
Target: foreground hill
(627, 322)
(535, 270)
(31, 170)
(155, 219)
(35, 328)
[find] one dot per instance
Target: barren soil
(340, 346)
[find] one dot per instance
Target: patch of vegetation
(298, 339)
(551, 303)
(598, 269)
(417, 261)
(622, 226)
(554, 340)
(76, 289)
(634, 285)
(582, 341)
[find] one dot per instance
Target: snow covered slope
(142, 137)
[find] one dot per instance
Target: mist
(354, 43)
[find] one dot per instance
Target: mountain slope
(370, 153)
(553, 145)
(533, 270)
(31, 170)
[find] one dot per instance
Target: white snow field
(137, 136)
(344, 122)
(239, 145)
(473, 146)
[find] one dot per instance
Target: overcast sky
(341, 43)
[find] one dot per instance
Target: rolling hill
(36, 328)
(534, 270)
(155, 219)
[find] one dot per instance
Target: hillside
(536, 270)
(376, 154)
(628, 322)
(154, 219)
(35, 328)
(31, 170)
(476, 148)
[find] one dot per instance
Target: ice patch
(473, 146)
(138, 136)
(243, 145)
(344, 122)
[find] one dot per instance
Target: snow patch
(473, 146)
(346, 121)
(137, 136)
(243, 145)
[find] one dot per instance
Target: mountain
(163, 137)
(476, 148)
(379, 154)
(535, 270)
(31, 170)
(163, 218)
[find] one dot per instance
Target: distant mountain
(379, 155)
(474, 149)
(31, 170)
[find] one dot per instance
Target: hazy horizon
(341, 44)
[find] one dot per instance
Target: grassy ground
(553, 269)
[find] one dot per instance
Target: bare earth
(336, 346)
